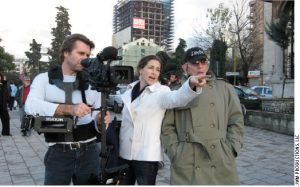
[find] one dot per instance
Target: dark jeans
(62, 166)
(5, 121)
(144, 172)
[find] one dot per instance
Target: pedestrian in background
(203, 139)
(4, 100)
(21, 97)
(13, 92)
(174, 81)
(145, 103)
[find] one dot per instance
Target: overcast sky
(24, 20)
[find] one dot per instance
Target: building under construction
(151, 19)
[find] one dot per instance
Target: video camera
(103, 76)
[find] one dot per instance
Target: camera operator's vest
(81, 132)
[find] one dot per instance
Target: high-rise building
(150, 19)
(257, 26)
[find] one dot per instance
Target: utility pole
(234, 65)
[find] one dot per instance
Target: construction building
(150, 19)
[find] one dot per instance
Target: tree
(62, 30)
(231, 26)
(34, 56)
(179, 51)
(165, 58)
(244, 39)
(281, 31)
(218, 58)
(217, 29)
(172, 64)
(219, 24)
(6, 60)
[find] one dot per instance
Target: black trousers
(5, 122)
(142, 172)
(11, 103)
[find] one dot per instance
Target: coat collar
(153, 88)
(212, 80)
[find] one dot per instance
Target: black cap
(194, 54)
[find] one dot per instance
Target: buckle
(74, 146)
(187, 137)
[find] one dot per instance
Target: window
(143, 52)
(258, 90)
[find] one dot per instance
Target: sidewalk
(266, 158)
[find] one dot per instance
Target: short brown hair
(69, 43)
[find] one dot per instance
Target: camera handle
(103, 109)
(104, 152)
(102, 126)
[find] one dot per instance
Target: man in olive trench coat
(203, 139)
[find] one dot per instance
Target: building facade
(257, 25)
(150, 19)
(19, 63)
(276, 71)
(132, 52)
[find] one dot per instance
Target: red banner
(138, 23)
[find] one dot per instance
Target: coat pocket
(48, 155)
(172, 151)
(227, 149)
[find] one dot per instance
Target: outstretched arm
(186, 93)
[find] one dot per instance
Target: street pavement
(265, 159)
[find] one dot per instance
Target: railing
(280, 105)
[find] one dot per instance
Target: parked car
(114, 99)
(263, 91)
(249, 99)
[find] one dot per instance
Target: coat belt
(201, 137)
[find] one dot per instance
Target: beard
(74, 67)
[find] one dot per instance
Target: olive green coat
(203, 139)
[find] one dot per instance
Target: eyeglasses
(202, 62)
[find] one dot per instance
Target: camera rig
(104, 78)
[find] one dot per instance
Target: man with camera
(62, 92)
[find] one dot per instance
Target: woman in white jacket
(145, 103)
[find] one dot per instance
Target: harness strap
(55, 75)
(68, 87)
